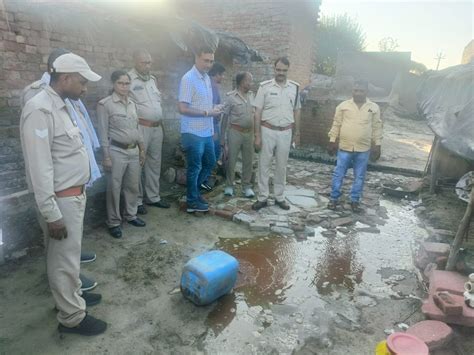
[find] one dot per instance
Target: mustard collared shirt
(278, 103)
(357, 129)
(239, 109)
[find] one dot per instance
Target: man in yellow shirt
(356, 136)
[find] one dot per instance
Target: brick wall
(272, 27)
(316, 120)
(28, 33)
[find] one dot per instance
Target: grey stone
(302, 201)
(313, 218)
(299, 192)
(243, 218)
(342, 221)
(281, 230)
(259, 226)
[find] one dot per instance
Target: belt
(148, 123)
(123, 145)
(72, 191)
(276, 128)
(241, 129)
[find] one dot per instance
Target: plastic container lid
(406, 344)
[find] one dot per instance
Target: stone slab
(302, 201)
(436, 249)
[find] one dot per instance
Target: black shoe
(259, 204)
(206, 187)
(137, 222)
(88, 326)
(283, 205)
(142, 209)
(332, 205)
(87, 257)
(116, 232)
(355, 207)
(160, 204)
(91, 298)
(87, 283)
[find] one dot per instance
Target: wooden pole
(462, 230)
(434, 167)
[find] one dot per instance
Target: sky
(423, 27)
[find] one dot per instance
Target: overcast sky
(423, 27)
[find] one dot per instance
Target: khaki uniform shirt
(356, 128)
(117, 121)
(239, 109)
(147, 97)
(55, 156)
(30, 91)
(278, 102)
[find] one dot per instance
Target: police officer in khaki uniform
(57, 169)
(122, 144)
(150, 116)
(277, 125)
(237, 126)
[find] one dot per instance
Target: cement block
(434, 333)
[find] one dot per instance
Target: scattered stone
(341, 221)
(281, 230)
(260, 329)
(175, 291)
(309, 231)
(243, 218)
(364, 301)
(232, 310)
(313, 218)
(278, 292)
(372, 230)
(325, 284)
(343, 230)
(259, 226)
(402, 326)
(302, 201)
(256, 334)
(388, 331)
(334, 215)
(254, 311)
(299, 320)
(434, 333)
(329, 234)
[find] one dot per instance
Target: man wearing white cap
(57, 170)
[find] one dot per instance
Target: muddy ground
(307, 284)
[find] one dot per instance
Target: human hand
(107, 164)
(257, 143)
(332, 148)
(142, 157)
(57, 230)
(375, 153)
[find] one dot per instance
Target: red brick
(434, 333)
(225, 214)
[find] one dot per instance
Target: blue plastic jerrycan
(209, 276)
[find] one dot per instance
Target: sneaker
(283, 205)
(229, 191)
(259, 204)
(87, 283)
(160, 204)
(141, 210)
(332, 205)
(116, 232)
(248, 192)
(137, 222)
(91, 298)
(206, 187)
(89, 326)
(355, 207)
(87, 257)
(197, 207)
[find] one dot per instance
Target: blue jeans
(200, 161)
(358, 161)
(217, 149)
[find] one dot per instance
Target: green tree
(336, 33)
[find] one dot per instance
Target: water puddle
(288, 290)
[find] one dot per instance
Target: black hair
(54, 77)
(204, 49)
(284, 60)
(362, 83)
(117, 74)
(217, 68)
(54, 55)
(240, 77)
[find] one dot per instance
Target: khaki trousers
(63, 258)
(274, 143)
(150, 182)
(240, 142)
(122, 180)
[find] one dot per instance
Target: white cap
(72, 63)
